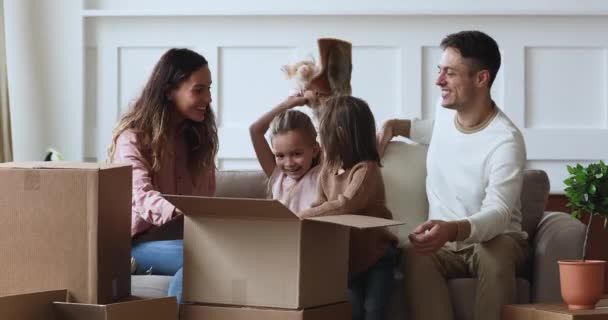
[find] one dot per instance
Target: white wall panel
(566, 88)
(553, 81)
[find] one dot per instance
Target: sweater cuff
(464, 229)
(421, 131)
(167, 210)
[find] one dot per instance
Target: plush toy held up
(333, 79)
(300, 73)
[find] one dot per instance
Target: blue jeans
(369, 292)
(162, 258)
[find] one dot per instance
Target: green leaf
(586, 188)
(570, 169)
(574, 214)
(592, 189)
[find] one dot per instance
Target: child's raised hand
(295, 101)
(310, 95)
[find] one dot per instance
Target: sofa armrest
(558, 237)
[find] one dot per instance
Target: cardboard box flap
(357, 221)
(148, 309)
(340, 311)
(231, 207)
(77, 311)
(59, 165)
(31, 306)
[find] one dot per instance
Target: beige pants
(495, 263)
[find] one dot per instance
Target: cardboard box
(340, 311)
(66, 225)
(551, 312)
(53, 305)
(255, 252)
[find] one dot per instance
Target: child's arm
(390, 129)
(259, 128)
(356, 196)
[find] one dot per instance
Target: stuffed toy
(300, 74)
(334, 77)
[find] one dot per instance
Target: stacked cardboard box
(547, 311)
(66, 225)
(251, 258)
(54, 305)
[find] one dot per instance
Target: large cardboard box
(254, 252)
(339, 311)
(66, 225)
(551, 312)
(53, 305)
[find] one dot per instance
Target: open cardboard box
(339, 311)
(66, 225)
(256, 252)
(53, 305)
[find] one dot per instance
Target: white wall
(73, 68)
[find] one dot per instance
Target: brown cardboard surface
(357, 221)
(113, 235)
(323, 263)
(31, 306)
(68, 311)
(241, 262)
(231, 207)
(66, 227)
(341, 311)
(551, 312)
(146, 309)
(262, 208)
(254, 252)
(52, 305)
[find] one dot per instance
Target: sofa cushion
(241, 184)
(404, 174)
(150, 286)
(534, 194)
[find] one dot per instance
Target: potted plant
(582, 281)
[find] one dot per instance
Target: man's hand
(432, 235)
(384, 136)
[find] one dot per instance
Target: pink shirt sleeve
(147, 201)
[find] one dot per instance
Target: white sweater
(476, 176)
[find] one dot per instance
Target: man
(475, 167)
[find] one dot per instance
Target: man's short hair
(477, 47)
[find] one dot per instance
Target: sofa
(552, 235)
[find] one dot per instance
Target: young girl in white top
(292, 164)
